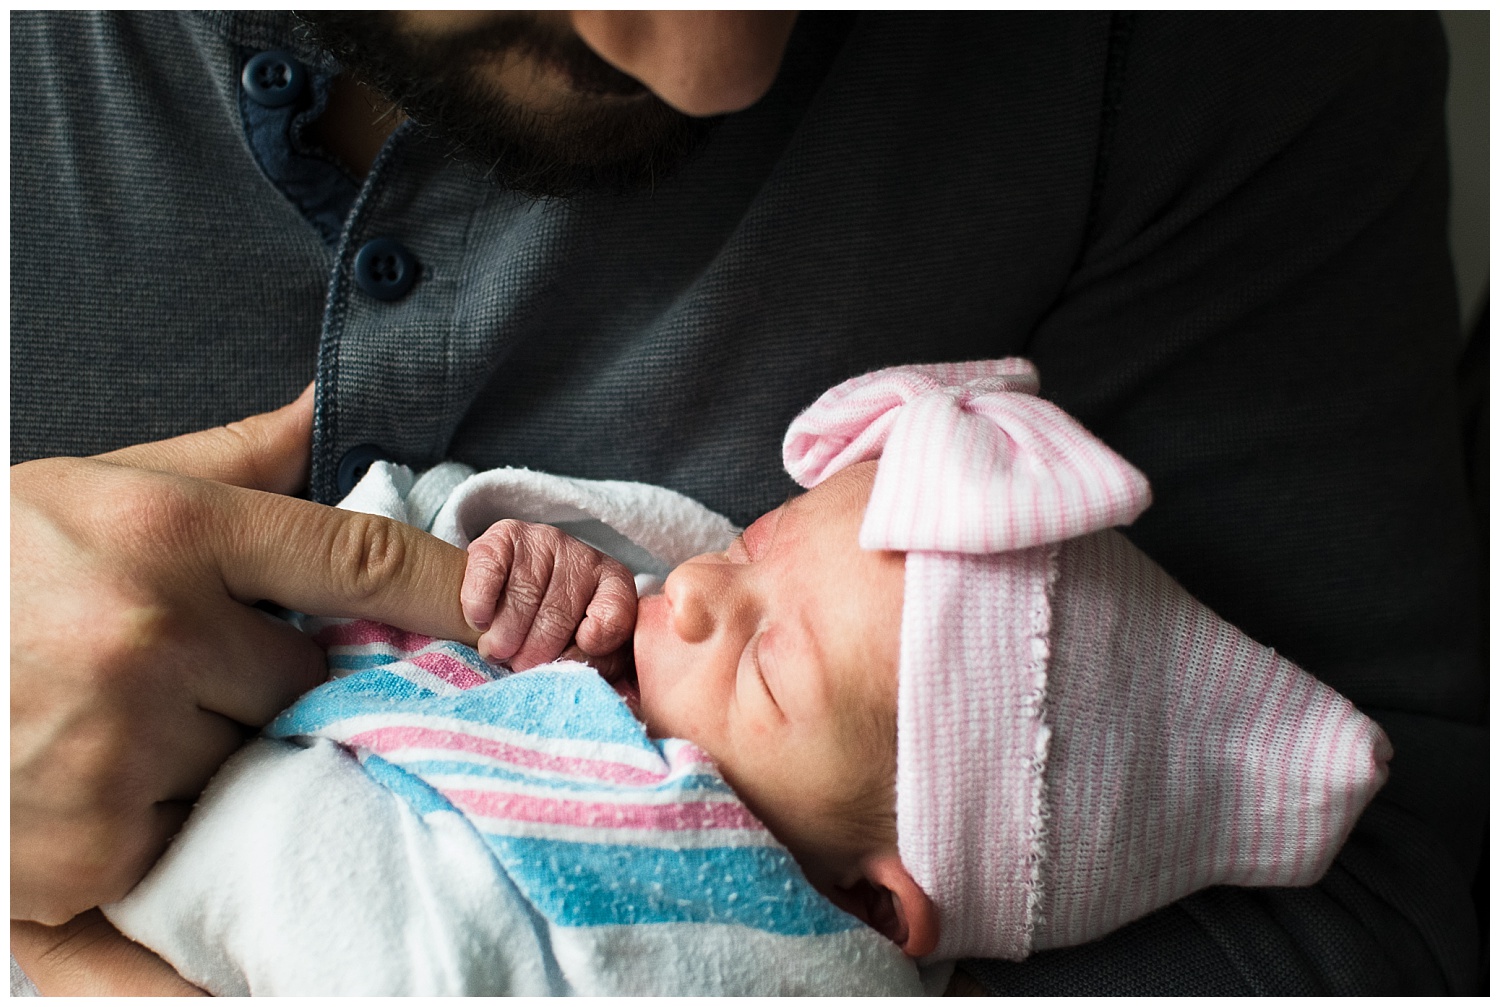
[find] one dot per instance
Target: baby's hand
(531, 589)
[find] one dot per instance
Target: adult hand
(137, 661)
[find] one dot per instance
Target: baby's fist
(530, 590)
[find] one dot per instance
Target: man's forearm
(87, 956)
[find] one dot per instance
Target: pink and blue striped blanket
(594, 822)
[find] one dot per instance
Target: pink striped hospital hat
(1079, 741)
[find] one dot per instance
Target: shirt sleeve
(1264, 322)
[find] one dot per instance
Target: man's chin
(605, 144)
(562, 123)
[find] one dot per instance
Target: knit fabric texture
(966, 435)
(1214, 762)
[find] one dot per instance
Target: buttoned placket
(370, 385)
(392, 355)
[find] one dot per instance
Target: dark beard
(617, 136)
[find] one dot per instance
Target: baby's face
(778, 656)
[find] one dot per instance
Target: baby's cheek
(680, 710)
(650, 625)
(650, 648)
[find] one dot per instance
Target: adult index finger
(324, 561)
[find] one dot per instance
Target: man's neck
(355, 124)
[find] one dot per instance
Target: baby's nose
(693, 590)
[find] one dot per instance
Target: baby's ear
(886, 897)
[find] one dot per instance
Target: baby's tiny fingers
(575, 583)
(551, 631)
(489, 562)
(610, 618)
(527, 583)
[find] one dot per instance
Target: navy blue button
(273, 79)
(355, 463)
(384, 269)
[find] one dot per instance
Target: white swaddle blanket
(424, 824)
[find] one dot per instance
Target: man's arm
(87, 956)
(1264, 322)
(137, 659)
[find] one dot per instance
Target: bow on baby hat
(1032, 812)
(972, 461)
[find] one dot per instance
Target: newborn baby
(537, 842)
(777, 657)
(979, 721)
